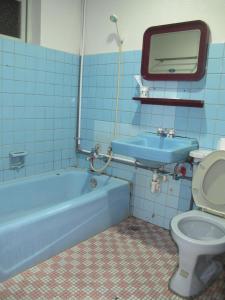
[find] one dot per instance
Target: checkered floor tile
(133, 260)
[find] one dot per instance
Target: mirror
(175, 51)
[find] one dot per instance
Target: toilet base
(193, 277)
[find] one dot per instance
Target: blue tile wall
(98, 115)
(38, 98)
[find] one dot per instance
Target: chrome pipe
(133, 163)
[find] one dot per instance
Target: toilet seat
(208, 186)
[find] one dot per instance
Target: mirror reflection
(174, 52)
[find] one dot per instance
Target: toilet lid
(208, 186)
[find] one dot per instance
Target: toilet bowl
(200, 235)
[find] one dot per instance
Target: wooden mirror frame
(184, 26)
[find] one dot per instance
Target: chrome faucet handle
(160, 131)
(171, 132)
(91, 155)
(94, 153)
(89, 158)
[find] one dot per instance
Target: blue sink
(154, 150)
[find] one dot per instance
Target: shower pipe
(117, 159)
(78, 131)
(114, 19)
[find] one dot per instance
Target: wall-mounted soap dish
(17, 159)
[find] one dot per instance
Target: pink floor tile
(133, 260)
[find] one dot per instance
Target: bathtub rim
(62, 171)
(84, 199)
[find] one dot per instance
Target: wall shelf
(171, 102)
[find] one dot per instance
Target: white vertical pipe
(81, 71)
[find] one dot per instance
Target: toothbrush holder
(144, 91)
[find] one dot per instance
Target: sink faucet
(171, 133)
(163, 132)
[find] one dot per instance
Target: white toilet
(200, 234)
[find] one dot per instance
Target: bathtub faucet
(94, 153)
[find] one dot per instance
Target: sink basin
(154, 150)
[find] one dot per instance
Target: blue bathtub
(46, 214)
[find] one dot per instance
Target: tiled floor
(133, 260)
